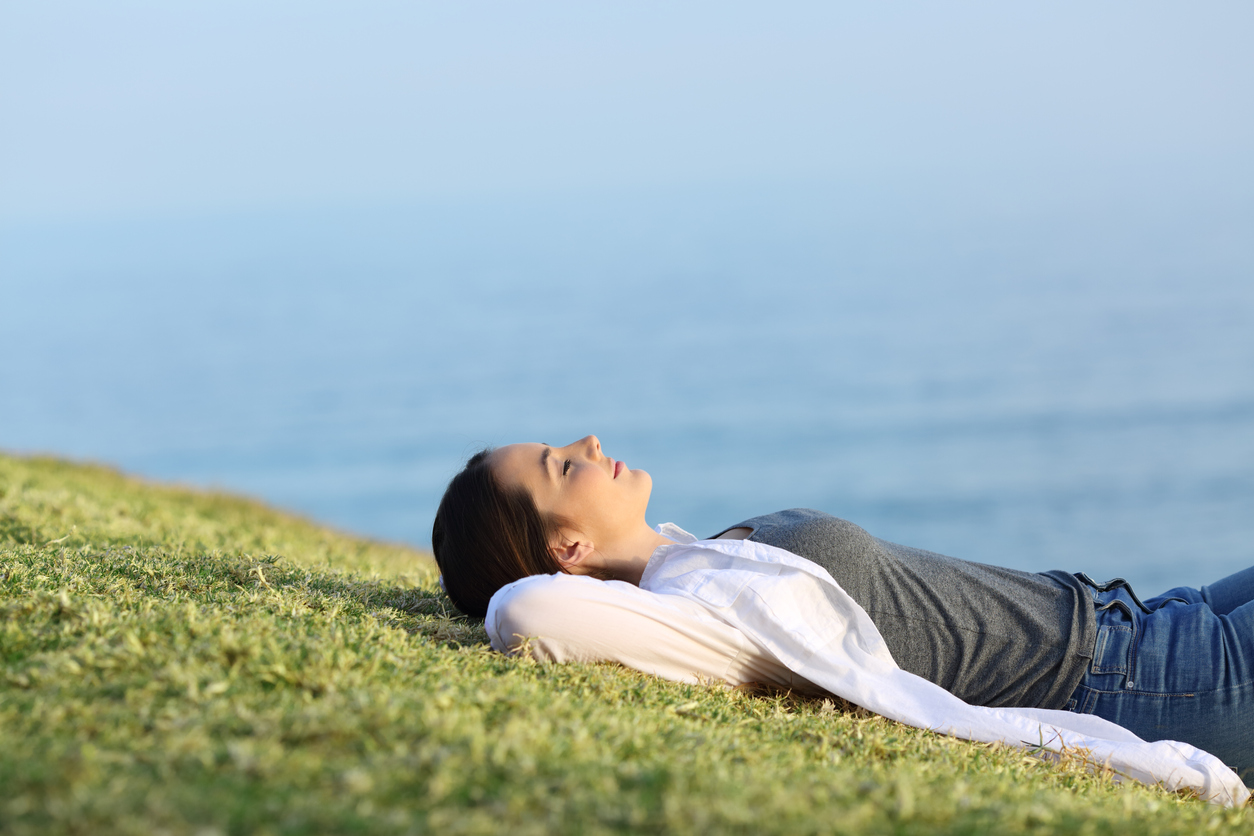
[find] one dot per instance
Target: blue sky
(140, 108)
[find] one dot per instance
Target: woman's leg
(1223, 596)
(1236, 590)
(1180, 672)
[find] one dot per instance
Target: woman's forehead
(514, 463)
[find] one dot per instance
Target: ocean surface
(1050, 383)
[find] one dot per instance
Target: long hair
(486, 535)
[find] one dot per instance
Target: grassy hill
(185, 662)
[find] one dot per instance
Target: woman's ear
(572, 550)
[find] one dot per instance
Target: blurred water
(1069, 385)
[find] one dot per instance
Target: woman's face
(601, 498)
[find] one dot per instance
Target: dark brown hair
(486, 535)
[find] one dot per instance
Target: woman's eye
(566, 467)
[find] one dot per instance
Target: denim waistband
(1112, 585)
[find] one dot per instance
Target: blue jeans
(1179, 666)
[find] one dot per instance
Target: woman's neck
(628, 559)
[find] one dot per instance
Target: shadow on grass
(15, 531)
(421, 608)
(216, 580)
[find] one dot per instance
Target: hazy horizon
(978, 277)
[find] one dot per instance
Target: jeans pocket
(1112, 652)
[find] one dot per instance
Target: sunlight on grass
(197, 663)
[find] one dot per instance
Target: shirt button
(1131, 684)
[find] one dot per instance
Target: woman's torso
(989, 635)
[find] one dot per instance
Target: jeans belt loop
(1114, 583)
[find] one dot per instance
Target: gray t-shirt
(989, 635)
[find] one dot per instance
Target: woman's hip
(1172, 668)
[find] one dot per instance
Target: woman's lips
(619, 467)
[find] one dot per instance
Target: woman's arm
(569, 618)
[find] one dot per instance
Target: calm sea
(1068, 384)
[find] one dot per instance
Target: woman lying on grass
(551, 545)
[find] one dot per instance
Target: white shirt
(738, 611)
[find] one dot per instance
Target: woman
(551, 544)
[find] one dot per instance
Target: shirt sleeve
(568, 618)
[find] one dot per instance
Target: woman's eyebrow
(544, 460)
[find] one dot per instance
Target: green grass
(184, 662)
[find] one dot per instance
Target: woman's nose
(592, 446)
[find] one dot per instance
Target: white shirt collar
(675, 533)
